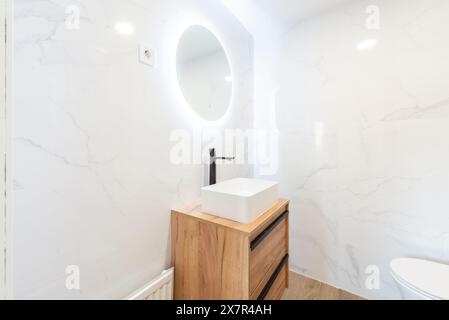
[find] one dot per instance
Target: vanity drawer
(267, 251)
(275, 288)
(219, 259)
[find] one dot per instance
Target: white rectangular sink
(241, 200)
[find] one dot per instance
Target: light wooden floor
(302, 288)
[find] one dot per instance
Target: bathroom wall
(364, 154)
(267, 33)
(2, 146)
(93, 181)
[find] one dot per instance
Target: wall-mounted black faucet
(213, 166)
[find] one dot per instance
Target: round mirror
(204, 73)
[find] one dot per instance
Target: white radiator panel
(160, 288)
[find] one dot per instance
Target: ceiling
(290, 12)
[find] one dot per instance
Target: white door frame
(5, 145)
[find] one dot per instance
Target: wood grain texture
(278, 288)
(303, 288)
(287, 240)
(210, 262)
(252, 229)
(212, 255)
(266, 258)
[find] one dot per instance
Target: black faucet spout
(213, 166)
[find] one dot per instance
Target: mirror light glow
(204, 73)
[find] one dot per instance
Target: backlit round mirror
(204, 73)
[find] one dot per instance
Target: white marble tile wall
(93, 184)
(364, 153)
(2, 144)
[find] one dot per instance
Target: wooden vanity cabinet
(219, 259)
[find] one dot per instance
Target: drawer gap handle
(273, 279)
(267, 231)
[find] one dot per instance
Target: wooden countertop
(253, 228)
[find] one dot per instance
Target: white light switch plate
(147, 55)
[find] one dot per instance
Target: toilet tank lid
(426, 276)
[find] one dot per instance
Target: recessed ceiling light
(124, 28)
(367, 44)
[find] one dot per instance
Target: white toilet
(420, 279)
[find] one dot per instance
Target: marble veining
(363, 153)
(93, 180)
